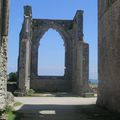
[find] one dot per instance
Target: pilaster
(25, 51)
(80, 57)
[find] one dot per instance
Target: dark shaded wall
(109, 54)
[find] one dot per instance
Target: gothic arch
(39, 30)
(51, 54)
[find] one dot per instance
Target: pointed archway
(51, 55)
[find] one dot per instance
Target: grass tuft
(9, 113)
(17, 104)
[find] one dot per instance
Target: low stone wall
(50, 83)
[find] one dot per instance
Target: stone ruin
(76, 49)
(76, 73)
(4, 17)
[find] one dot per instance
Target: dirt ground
(61, 108)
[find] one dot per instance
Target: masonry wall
(80, 51)
(76, 54)
(109, 54)
(4, 16)
(50, 83)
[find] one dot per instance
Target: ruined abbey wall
(76, 54)
(4, 16)
(109, 54)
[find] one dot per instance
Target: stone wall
(80, 56)
(109, 54)
(50, 84)
(4, 16)
(76, 53)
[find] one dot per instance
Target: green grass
(11, 116)
(9, 113)
(17, 104)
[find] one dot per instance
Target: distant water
(94, 81)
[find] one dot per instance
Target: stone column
(4, 19)
(25, 52)
(80, 56)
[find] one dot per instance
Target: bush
(30, 92)
(9, 113)
(12, 77)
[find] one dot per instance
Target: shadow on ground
(65, 112)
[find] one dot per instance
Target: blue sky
(53, 9)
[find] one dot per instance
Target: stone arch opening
(46, 83)
(51, 54)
